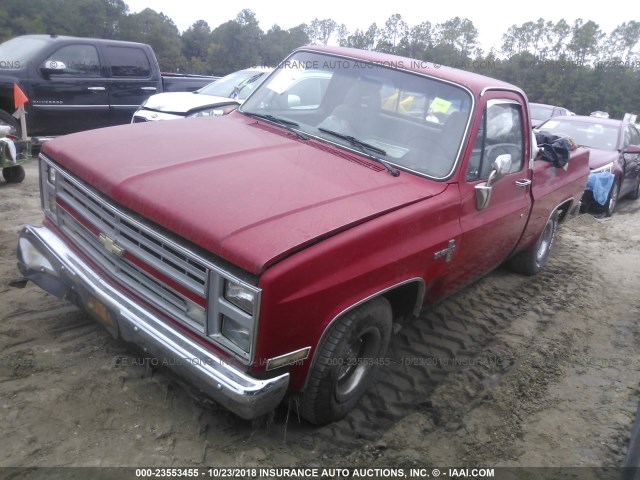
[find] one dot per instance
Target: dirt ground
(511, 371)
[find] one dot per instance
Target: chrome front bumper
(47, 261)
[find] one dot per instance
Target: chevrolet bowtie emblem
(447, 252)
(111, 246)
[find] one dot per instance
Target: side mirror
(53, 66)
(499, 168)
(293, 100)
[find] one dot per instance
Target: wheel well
(406, 299)
(563, 210)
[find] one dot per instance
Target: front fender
(304, 293)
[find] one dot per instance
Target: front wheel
(346, 361)
(613, 199)
(533, 259)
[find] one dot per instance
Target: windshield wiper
(288, 124)
(364, 146)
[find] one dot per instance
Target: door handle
(96, 89)
(525, 182)
(148, 89)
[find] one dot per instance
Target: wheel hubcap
(614, 197)
(545, 242)
(356, 363)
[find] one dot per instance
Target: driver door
(492, 232)
(75, 98)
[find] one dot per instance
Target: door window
(501, 131)
(80, 60)
(632, 137)
(128, 62)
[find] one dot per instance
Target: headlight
(48, 181)
(605, 168)
(237, 333)
(238, 309)
(240, 296)
(214, 111)
(51, 175)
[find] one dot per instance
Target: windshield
(15, 53)
(404, 119)
(541, 112)
(587, 134)
(238, 85)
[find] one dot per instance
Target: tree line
(576, 65)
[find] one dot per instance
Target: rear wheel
(346, 361)
(533, 259)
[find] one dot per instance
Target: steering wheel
(494, 151)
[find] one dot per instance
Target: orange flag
(19, 97)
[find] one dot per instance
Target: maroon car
(614, 159)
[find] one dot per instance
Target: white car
(218, 98)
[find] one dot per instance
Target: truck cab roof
(477, 83)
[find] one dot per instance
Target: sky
(491, 18)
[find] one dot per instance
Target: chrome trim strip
(73, 279)
(570, 201)
(500, 89)
(68, 107)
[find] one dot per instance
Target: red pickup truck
(268, 252)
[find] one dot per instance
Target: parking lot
(510, 371)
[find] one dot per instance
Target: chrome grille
(157, 267)
(152, 249)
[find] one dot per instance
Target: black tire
(635, 193)
(346, 361)
(13, 174)
(533, 259)
(7, 119)
(613, 199)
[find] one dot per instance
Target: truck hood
(183, 102)
(599, 158)
(250, 192)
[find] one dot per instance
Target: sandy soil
(511, 371)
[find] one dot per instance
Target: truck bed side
(554, 187)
